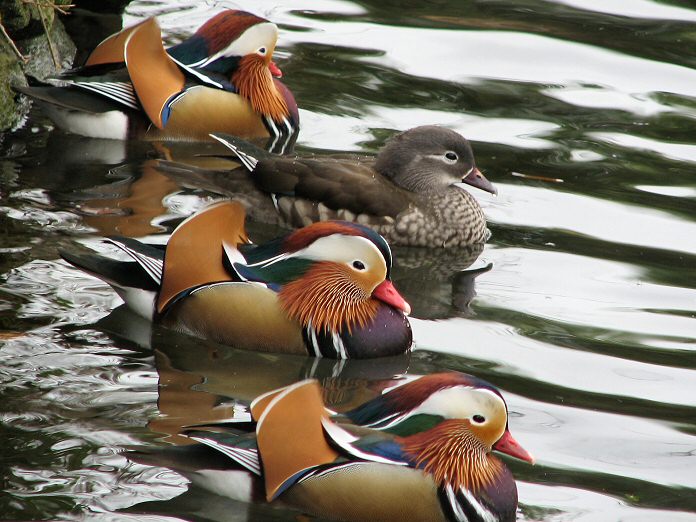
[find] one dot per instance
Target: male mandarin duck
(407, 193)
(324, 290)
(221, 79)
(430, 460)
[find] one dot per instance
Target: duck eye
(478, 419)
(358, 265)
(451, 156)
(262, 51)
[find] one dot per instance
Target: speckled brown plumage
(407, 193)
(450, 218)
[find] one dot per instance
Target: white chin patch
(112, 125)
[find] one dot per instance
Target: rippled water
(581, 112)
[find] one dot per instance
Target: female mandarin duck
(219, 80)
(431, 459)
(324, 290)
(407, 193)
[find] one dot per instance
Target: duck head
(430, 158)
(470, 421)
(252, 52)
(424, 403)
(331, 275)
(239, 46)
(221, 42)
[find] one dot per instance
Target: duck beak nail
(386, 293)
(508, 445)
(476, 179)
(275, 70)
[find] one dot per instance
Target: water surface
(581, 113)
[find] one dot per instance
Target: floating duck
(221, 79)
(323, 290)
(407, 193)
(430, 459)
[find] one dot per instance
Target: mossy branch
(21, 57)
(63, 9)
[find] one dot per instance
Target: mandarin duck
(324, 290)
(407, 193)
(221, 79)
(430, 459)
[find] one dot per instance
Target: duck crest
(326, 299)
(453, 455)
(305, 236)
(415, 392)
(412, 394)
(223, 27)
(382, 411)
(254, 82)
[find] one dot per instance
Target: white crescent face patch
(340, 248)
(263, 35)
(463, 402)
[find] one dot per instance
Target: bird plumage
(323, 464)
(323, 290)
(221, 79)
(407, 193)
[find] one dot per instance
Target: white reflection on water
(633, 9)
(504, 55)
(580, 290)
(678, 151)
(573, 504)
(545, 362)
(347, 132)
(611, 221)
(676, 192)
(559, 435)
(602, 97)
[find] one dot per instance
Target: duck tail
(248, 153)
(119, 274)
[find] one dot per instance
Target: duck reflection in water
(207, 382)
(102, 181)
(421, 448)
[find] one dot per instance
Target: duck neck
(411, 175)
(255, 83)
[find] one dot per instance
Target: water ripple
(581, 112)
(606, 220)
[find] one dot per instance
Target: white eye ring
(451, 157)
(358, 265)
(262, 51)
(478, 419)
